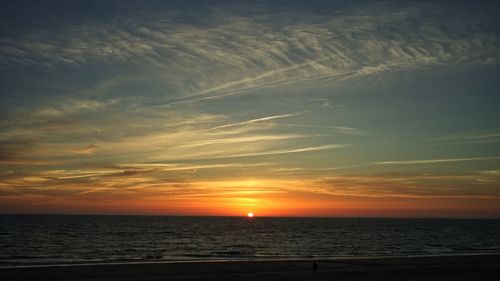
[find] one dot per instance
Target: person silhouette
(315, 266)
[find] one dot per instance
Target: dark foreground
(415, 268)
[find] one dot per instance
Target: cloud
(22, 151)
(260, 119)
(465, 185)
(27, 162)
(339, 129)
(435, 161)
(284, 151)
(136, 169)
(234, 54)
(86, 149)
(244, 139)
(202, 62)
(187, 167)
(324, 103)
(466, 138)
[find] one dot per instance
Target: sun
(250, 215)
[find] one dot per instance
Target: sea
(27, 240)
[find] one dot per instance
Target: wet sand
(443, 268)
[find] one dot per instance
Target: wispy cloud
(339, 129)
(86, 149)
(245, 139)
(435, 161)
(189, 167)
(285, 151)
(493, 135)
(260, 119)
(27, 162)
(466, 138)
(272, 49)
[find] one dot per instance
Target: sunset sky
(283, 108)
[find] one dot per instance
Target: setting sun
(250, 215)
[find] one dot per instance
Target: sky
(283, 108)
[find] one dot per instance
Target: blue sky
(305, 100)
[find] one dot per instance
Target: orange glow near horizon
(268, 198)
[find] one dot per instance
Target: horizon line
(257, 217)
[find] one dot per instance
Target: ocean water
(53, 239)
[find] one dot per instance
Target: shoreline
(454, 267)
(230, 260)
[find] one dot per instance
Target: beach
(443, 268)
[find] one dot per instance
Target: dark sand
(441, 268)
